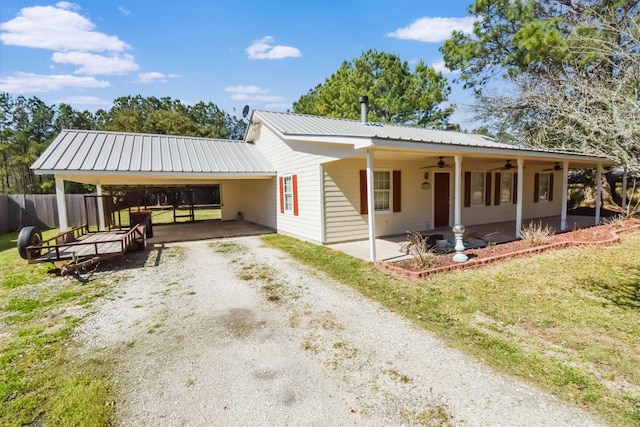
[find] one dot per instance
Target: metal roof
(100, 151)
(305, 126)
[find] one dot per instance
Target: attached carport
(246, 177)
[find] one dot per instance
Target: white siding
(254, 198)
(302, 159)
(507, 212)
(342, 201)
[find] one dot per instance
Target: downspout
(565, 191)
(520, 194)
(364, 107)
(62, 204)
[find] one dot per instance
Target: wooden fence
(41, 210)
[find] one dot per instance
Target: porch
(387, 247)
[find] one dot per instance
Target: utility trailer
(79, 248)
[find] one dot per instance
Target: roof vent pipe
(364, 108)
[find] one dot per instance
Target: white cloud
(432, 30)
(57, 28)
(259, 98)
(245, 89)
(93, 65)
(263, 49)
(124, 11)
(35, 83)
(154, 77)
(441, 68)
(84, 100)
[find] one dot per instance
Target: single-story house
(329, 180)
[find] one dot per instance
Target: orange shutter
(281, 195)
(294, 178)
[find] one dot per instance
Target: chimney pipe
(364, 108)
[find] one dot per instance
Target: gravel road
(248, 336)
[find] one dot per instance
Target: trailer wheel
(28, 236)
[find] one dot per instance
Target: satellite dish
(245, 111)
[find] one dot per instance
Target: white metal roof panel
(99, 151)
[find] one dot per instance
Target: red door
(441, 200)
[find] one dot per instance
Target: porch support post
(62, 204)
(520, 187)
(371, 207)
(598, 192)
(100, 208)
(565, 191)
(457, 217)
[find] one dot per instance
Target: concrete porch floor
(500, 232)
(204, 230)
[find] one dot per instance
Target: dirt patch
(597, 235)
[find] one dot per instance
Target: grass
(40, 381)
(567, 321)
(165, 216)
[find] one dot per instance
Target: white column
(371, 208)
(519, 190)
(565, 191)
(598, 192)
(457, 216)
(100, 208)
(62, 204)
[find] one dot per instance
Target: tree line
(560, 74)
(29, 125)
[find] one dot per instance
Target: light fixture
(425, 184)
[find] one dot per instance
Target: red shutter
(467, 189)
(397, 189)
(294, 178)
(281, 195)
(496, 196)
(551, 187)
(515, 188)
(363, 193)
(536, 188)
(487, 189)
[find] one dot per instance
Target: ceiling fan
(556, 167)
(441, 164)
(506, 167)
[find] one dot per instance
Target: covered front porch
(387, 247)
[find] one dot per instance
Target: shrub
(537, 234)
(423, 255)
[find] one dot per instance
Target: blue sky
(265, 54)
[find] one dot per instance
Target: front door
(441, 200)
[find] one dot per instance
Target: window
(543, 187)
(506, 188)
(477, 188)
(381, 190)
(288, 194)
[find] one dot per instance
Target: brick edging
(474, 263)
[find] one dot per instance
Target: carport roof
(87, 151)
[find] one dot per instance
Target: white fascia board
(159, 175)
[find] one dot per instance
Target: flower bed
(597, 235)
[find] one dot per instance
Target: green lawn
(38, 378)
(567, 321)
(165, 216)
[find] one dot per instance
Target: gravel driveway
(250, 337)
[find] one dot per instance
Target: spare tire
(28, 236)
